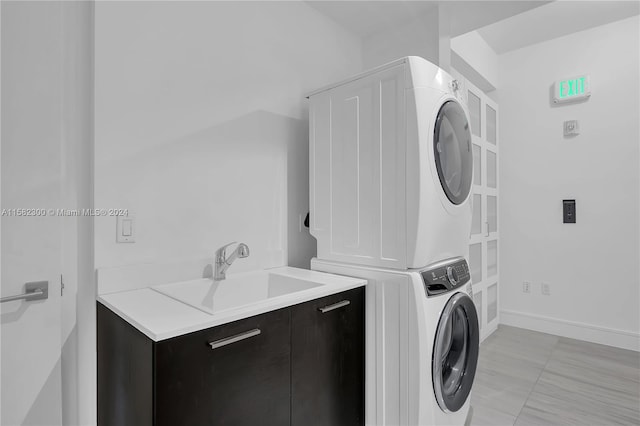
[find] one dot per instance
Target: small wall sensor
(568, 211)
(571, 128)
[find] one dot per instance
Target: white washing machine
(422, 342)
(391, 167)
(391, 170)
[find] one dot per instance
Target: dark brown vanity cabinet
(300, 365)
(244, 381)
(327, 361)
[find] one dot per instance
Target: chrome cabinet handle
(488, 231)
(233, 339)
(334, 306)
(36, 290)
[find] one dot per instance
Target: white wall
(592, 265)
(474, 58)
(418, 37)
(0, 198)
(201, 125)
(78, 307)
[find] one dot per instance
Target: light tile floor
(527, 378)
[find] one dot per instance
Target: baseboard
(574, 330)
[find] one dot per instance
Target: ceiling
(554, 20)
(366, 17)
(470, 15)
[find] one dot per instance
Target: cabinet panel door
(327, 361)
(244, 381)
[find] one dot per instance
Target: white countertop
(161, 317)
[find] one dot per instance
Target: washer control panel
(445, 276)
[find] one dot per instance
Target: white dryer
(391, 167)
(422, 342)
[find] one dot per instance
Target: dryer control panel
(445, 276)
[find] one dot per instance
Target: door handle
(233, 339)
(334, 306)
(36, 290)
(487, 222)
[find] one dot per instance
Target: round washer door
(455, 352)
(453, 153)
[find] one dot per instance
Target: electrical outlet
(526, 287)
(545, 289)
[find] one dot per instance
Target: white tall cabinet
(484, 247)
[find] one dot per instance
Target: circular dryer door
(453, 153)
(455, 352)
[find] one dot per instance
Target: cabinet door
(327, 360)
(484, 238)
(243, 380)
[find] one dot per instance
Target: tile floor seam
(537, 380)
(513, 346)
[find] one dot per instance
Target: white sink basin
(237, 290)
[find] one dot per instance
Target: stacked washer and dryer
(391, 169)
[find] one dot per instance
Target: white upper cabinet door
(357, 174)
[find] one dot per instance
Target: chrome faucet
(223, 262)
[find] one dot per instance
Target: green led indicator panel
(571, 89)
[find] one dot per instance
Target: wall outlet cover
(545, 289)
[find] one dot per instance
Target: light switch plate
(125, 229)
(571, 128)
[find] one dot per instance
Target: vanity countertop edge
(160, 317)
